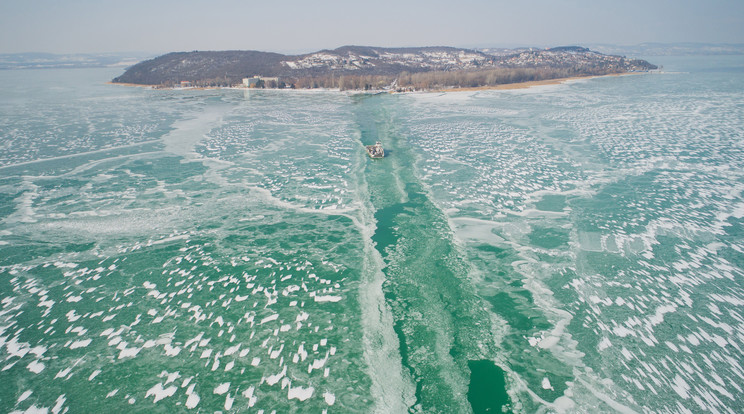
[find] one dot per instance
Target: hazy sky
(77, 26)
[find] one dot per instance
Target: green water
(568, 248)
(487, 392)
(438, 319)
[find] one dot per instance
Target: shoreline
(529, 84)
(136, 85)
(505, 86)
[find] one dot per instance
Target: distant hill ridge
(352, 67)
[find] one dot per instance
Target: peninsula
(375, 68)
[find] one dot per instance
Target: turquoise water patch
(551, 203)
(487, 391)
(549, 238)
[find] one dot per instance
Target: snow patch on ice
(300, 393)
(329, 398)
(192, 401)
(222, 388)
(159, 392)
(328, 298)
(36, 366)
(80, 344)
(25, 396)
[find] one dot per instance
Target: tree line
(344, 82)
(418, 81)
(491, 77)
(421, 81)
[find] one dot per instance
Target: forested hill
(356, 67)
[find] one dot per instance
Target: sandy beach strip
(132, 84)
(525, 85)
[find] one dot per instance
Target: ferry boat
(376, 151)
